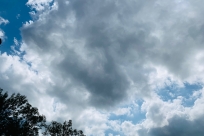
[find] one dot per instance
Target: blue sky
(17, 13)
(126, 68)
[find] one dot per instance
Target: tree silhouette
(18, 117)
(65, 129)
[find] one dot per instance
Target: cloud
(92, 68)
(165, 118)
(111, 50)
(1, 33)
(172, 118)
(3, 21)
(84, 57)
(122, 111)
(39, 5)
(180, 126)
(15, 41)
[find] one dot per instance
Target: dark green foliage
(18, 117)
(65, 129)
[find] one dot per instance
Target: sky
(114, 67)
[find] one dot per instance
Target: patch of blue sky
(135, 115)
(173, 91)
(54, 105)
(17, 13)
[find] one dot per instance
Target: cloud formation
(3, 21)
(106, 46)
(85, 55)
(181, 127)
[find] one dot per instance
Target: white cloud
(39, 5)
(3, 21)
(2, 33)
(122, 111)
(129, 129)
(15, 41)
(165, 118)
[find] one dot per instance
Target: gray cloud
(92, 53)
(178, 126)
(105, 46)
(106, 86)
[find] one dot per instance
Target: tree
(18, 117)
(65, 129)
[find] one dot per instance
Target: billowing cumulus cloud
(108, 47)
(86, 57)
(177, 119)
